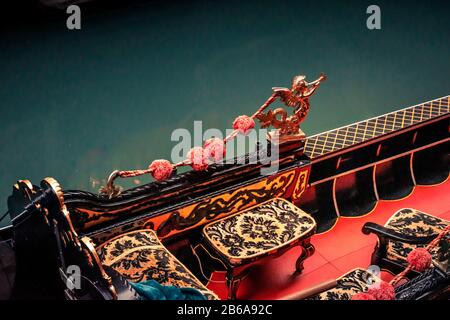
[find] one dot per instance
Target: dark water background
(76, 104)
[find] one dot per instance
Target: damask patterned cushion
(355, 281)
(259, 230)
(412, 222)
(140, 256)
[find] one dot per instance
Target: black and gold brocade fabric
(140, 256)
(259, 230)
(412, 222)
(355, 281)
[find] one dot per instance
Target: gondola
(363, 204)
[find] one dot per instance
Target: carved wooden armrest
(389, 234)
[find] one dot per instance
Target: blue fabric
(152, 290)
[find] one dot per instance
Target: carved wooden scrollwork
(227, 203)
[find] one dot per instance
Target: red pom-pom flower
(244, 124)
(161, 169)
(419, 259)
(382, 291)
(198, 158)
(215, 149)
(363, 296)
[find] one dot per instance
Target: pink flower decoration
(161, 169)
(419, 259)
(244, 124)
(198, 158)
(215, 149)
(382, 291)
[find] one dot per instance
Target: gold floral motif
(259, 230)
(300, 186)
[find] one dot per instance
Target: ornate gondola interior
(194, 150)
(360, 212)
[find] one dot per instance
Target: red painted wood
(337, 251)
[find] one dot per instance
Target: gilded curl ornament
(296, 97)
(200, 157)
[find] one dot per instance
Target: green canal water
(77, 104)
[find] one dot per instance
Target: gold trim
(25, 187)
(25, 182)
(56, 189)
(374, 182)
(335, 201)
(66, 214)
(88, 243)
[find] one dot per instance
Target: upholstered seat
(259, 230)
(140, 256)
(411, 222)
(355, 281)
(268, 229)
